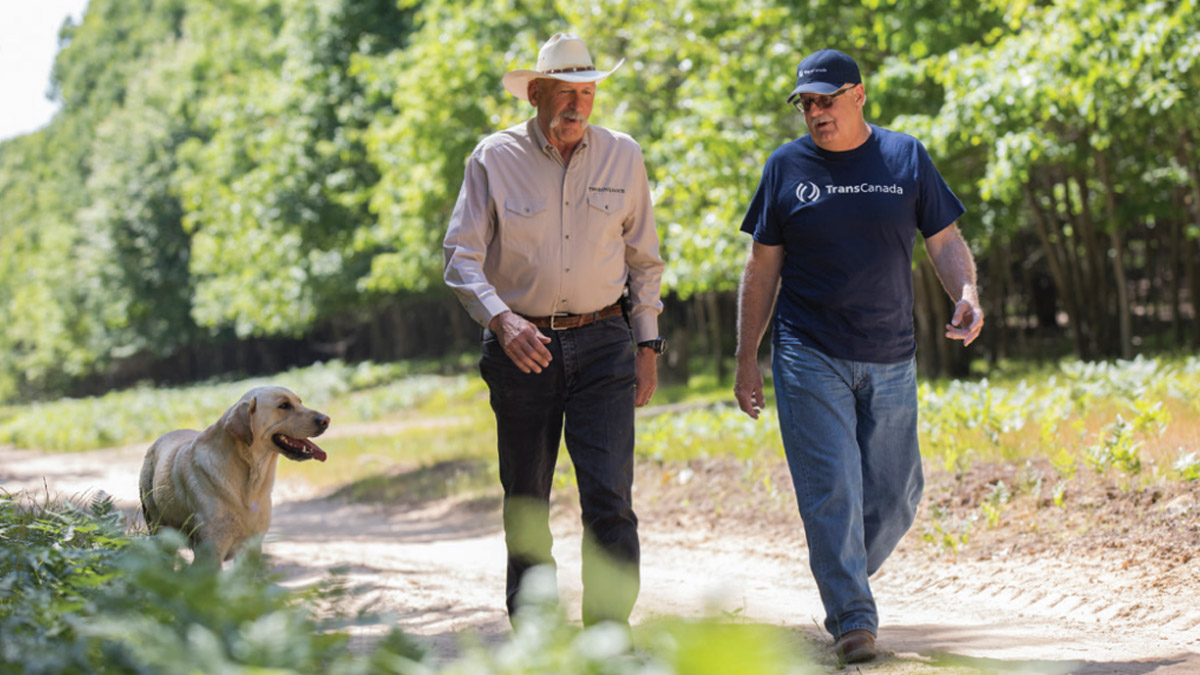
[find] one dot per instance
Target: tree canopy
(259, 167)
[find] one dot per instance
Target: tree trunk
(716, 347)
(1173, 285)
(1094, 253)
(703, 334)
(1118, 246)
(924, 324)
(996, 290)
(1187, 158)
(1058, 273)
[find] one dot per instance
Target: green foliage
(274, 181)
(1060, 493)
(347, 393)
(993, 505)
(262, 167)
(53, 561)
(1117, 448)
(714, 431)
(962, 421)
(941, 532)
(544, 643)
(1188, 466)
(206, 173)
(79, 595)
(446, 94)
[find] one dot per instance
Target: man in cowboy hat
(553, 220)
(834, 221)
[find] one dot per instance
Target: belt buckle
(558, 315)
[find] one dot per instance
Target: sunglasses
(822, 101)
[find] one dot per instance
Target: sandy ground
(436, 570)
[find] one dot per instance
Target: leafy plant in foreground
(53, 558)
(1188, 466)
(79, 595)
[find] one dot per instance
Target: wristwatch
(658, 344)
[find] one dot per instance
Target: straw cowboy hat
(563, 57)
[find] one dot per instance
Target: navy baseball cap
(824, 72)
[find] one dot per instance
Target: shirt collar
(545, 145)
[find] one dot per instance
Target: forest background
(251, 185)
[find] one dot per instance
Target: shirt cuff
(645, 327)
(492, 307)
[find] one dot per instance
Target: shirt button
(568, 203)
(568, 269)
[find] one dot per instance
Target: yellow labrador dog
(215, 485)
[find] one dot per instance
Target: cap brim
(814, 88)
(517, 81)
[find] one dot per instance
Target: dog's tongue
(317, 453)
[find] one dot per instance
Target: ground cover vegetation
(256, 184)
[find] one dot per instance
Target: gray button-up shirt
(533, 235)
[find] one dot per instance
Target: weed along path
(714, 543)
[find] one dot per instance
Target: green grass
(1133, 419)
(1130, 418)
(371, 461)
(348, 393)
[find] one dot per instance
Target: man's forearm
(954, 264)
(756, 298)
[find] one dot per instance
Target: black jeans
(589, 385)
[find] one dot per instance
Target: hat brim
(814, 88)
(517, 81)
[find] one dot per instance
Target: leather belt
(565, 321)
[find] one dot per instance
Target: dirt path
(437, 571)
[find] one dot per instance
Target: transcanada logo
(808, 191)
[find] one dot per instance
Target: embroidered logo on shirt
(807, 192)
(618, 190)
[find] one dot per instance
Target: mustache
(565, 116)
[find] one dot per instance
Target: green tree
(275, 184)
(1072, 121)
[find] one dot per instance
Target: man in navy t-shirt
(834, 221)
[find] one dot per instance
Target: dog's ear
(237, 421)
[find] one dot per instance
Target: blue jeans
(588, 391)
(850, 433)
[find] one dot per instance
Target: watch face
(659, 345)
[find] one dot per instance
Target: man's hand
(522, 341)
(748, 388)
(646, 369)
(968, 318)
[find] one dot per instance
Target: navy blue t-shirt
(848, 222)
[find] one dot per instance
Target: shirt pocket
(605, 213)
(522, 224)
